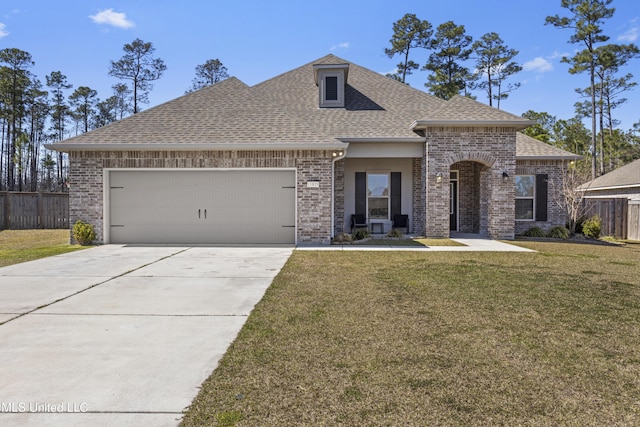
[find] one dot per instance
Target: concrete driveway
(122, 335)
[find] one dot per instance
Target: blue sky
(259, 39)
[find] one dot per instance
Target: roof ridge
(142, 114)
(315, 61)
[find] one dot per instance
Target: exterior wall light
(439, 177)
(505, 176)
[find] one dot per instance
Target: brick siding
(555, 214)
(491, 147)
(313, 204)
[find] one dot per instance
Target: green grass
(18, 246)
(438, 338)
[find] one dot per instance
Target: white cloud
(3, 32)
(632, 33)
(109, 17)
(538, 65)
(557, 54)
(344, 45)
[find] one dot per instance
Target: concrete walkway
(472, 243)
(122, 336)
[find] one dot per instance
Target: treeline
(34, 113)
(458, 65)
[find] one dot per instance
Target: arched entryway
(466, 207)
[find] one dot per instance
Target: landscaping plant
(83, 233)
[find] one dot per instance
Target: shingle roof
(625, 176)
(283, 111)
(227, 112)
(461, 110)
(376, 106)
(528, 148)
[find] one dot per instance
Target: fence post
(40, 210)
(7, 211)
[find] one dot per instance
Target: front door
(453, 201)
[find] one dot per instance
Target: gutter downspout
(339, 155)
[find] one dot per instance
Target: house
(623, 183)
(615, 197)
(291, 159)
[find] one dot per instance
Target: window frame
(532, 198)
(339, 102)
(387, 196)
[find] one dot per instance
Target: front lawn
(438, 338)
(26, 245)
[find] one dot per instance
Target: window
(331, 88)
(525, 196)
(378, 195)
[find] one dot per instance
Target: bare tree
(569, 194)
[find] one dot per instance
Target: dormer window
(331, 81)
(331, 88)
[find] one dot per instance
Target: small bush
(592, 227)
(83, 233)
(342, 238)
(394, 232)
(535, 232)
(361, 234)
(229, 418)
(559, 232)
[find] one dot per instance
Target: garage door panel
(237, 206)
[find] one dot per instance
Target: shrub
(534, 232)
(394, 232)
(361, 234)
(83, 233)
(592, 227)
(559, 232)
(342, 238)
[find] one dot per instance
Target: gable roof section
(216, 117)
(624, 177)
(528, 148)
(376, 106)
(464, 111)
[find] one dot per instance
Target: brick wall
(493, 147)
(313, 205)
(555, 214)
(338, 197)
(419, 204)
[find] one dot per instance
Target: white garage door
(203, 206)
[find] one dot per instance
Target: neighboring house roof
(528, 148)
(283, 113)
(627, 176)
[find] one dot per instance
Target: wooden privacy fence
(614, 214)
(633, 217)
(24, 211)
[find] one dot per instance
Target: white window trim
(533, 211)
(324, 102)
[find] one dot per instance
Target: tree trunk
(594, 148)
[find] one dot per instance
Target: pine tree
(140, 67)
(409, 33)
